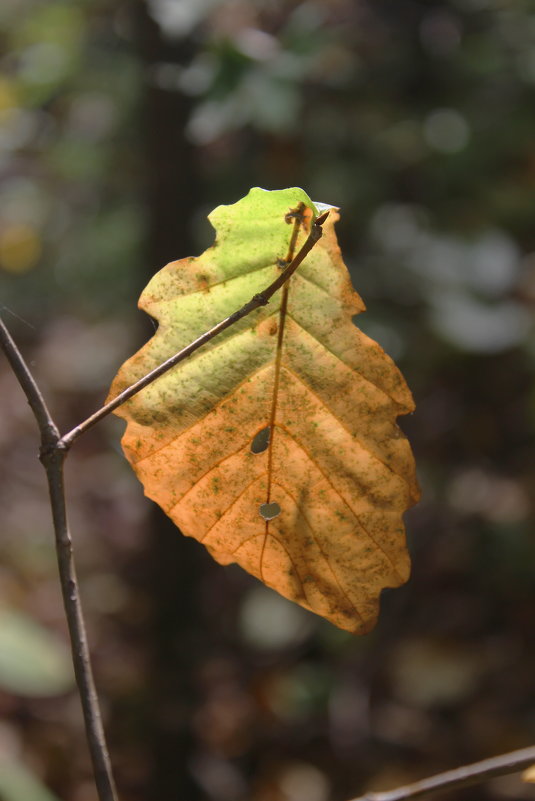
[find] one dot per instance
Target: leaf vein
(341, 424)
(324, 555)
(342, 498)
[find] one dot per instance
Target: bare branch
(261, 299)
(52, 455)
(465, 776)
(53, 461)
(47, 427)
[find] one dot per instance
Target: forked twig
(261, 299)
(52, 456)
(54, 449)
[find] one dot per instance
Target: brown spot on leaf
(202, 281)
(267, 328)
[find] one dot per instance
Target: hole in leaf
(269, 510)
(260, 441)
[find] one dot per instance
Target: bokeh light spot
(20, 248)
(446, 130)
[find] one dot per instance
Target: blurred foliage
(67, 146)
(17, 783)
(31, 661)
(416, 118)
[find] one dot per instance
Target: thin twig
(261, 299)
(52, 456)
(465, 776)
(53, 461)
(54, 449)
(47, 427)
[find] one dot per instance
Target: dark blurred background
(122, 124)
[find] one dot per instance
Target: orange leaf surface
(276, 444)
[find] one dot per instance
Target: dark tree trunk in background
(174, 563)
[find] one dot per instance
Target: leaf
(336, 474)
(32, 661)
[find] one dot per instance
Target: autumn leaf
(276, 444)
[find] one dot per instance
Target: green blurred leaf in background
(32, 661)
(17, 783)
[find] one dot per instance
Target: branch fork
(52, 454)
(53, 451)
